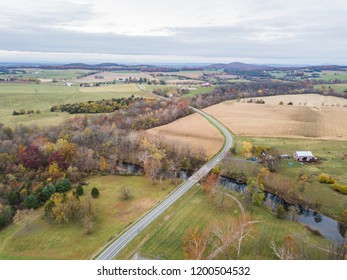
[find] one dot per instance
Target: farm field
(332, 75)
(164, 238)
(68, 241)
(48, 74)
(194, 131)
(337, 87)
(297, 121)
(331, 202)
(109, 76)
(44, 96)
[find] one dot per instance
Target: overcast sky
(205, 31)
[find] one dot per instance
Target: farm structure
(306, 156)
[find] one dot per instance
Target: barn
(305, 156)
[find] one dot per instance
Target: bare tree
(288, 250)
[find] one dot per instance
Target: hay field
(272, 120)
(194, 131)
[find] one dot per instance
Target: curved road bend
(115, 247)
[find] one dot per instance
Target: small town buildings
(304, 156)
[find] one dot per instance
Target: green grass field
(49, 74)
(337, 87)
(68, 241)
(331, 203)
(199, 90)
(44, 96)
(163, 239)
(332, 75)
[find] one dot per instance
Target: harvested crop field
(194, 131)
(272, 120)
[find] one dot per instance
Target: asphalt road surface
(116, 246)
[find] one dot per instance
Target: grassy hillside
(42, 240)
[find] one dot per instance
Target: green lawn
(163, 239)
(331, 203)
(68, 241)
(44, 96)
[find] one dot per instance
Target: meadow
(42, 240)
(164, 238)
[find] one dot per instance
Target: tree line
(34, 161)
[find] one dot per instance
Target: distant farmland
(296, 121)
(45, 95)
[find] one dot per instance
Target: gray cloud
(270, 33)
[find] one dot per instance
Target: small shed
(304, 156)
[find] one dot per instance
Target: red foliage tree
(58, 158)
(32, 157)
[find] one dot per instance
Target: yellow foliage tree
(246, 149)
(104, 166)
(54, 171)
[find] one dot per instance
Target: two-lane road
(116, 246)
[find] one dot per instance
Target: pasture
(333, 152)
(164, 238)
(194, 131)
(43, 96)
(42, 240)
(307, 118)
(336, 87)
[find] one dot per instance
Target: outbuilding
(305, 156)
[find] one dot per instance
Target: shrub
(339, 188)
(31, 202)
(79, 190)
(280, 212)
(344, 217)
(326, 179)
(95, 192)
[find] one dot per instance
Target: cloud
(280, 30)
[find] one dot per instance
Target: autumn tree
(246, 149)
(287, 250)
(211, 181)
(104, 166)
(195, 244)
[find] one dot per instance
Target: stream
(326, 226)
